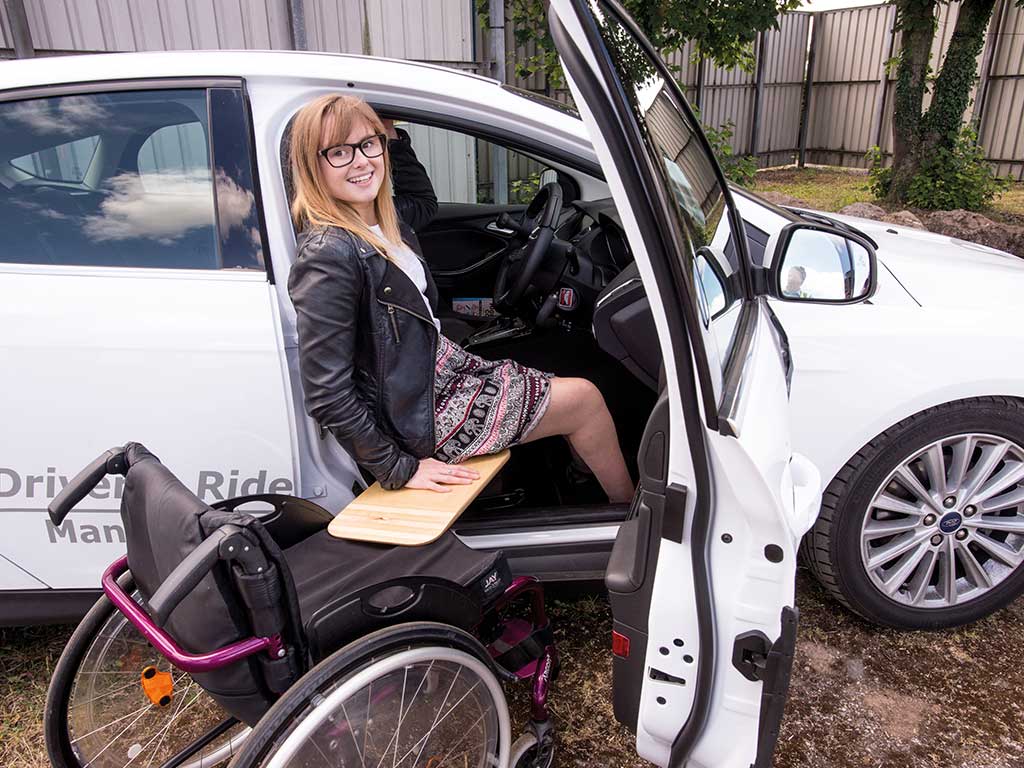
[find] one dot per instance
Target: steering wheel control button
(567, 299)
(950, 523)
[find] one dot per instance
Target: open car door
(702, 576)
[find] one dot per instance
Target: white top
(407, 260)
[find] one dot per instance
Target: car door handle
(493, 227)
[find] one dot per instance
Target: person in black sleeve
(406, 402)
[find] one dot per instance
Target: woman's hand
(432, 473)
(389, 128)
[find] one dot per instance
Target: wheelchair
(231, 634)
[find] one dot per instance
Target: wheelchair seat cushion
(349, 588)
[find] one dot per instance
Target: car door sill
(527, 520)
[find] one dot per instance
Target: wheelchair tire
(526, 753)
(98, 714)
(417, 694)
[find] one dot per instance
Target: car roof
(309, 69)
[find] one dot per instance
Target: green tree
(920, 137)
(721, 30)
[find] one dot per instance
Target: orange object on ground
(158, 686)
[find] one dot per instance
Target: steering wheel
(538, 224)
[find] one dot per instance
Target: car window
(467, 169)
(64, 162)
(696, 199)
(173, 151)
(122, 179)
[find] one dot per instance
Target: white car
(146, 243)
(887, 389)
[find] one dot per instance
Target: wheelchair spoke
(122, 733)
(352, 734)
(142, 709)
(401, 712)
(162, 733)
(462, 738)
(434, 724)
(426, 737)
(108, 694)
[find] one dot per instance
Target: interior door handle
(493, 227)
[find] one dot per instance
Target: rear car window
(112, 179)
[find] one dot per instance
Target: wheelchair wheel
(114, 701)
(413, 696)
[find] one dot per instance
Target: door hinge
(750, 654)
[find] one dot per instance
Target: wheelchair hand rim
(377, 669)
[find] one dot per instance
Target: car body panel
(860, 369)
(189, 362)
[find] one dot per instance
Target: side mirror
(821, 264)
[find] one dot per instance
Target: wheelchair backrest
(164, 522)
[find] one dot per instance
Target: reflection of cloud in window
(234, 205)
(65, 116)
(184, 203)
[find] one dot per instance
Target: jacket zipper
(393, 307)
(394, 323)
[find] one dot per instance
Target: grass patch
(829, 189)
(27, 658)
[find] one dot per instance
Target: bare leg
(578, 411)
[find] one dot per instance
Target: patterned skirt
(483, 406)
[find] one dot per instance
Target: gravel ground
(861, 697)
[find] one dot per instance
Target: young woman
(407, 403)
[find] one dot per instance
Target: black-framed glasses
(341, 155)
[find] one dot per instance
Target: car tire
(843, 557)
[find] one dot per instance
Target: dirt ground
(861, 697)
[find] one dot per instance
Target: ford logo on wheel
(950, 522)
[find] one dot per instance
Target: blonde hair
(313, 204)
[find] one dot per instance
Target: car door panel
(463, 247)
(726, 504)
(175, 342)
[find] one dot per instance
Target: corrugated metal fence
(851, 87)
(442, 31)
(835, 116)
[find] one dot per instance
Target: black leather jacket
(366, 344)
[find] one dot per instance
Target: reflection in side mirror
(816, 264)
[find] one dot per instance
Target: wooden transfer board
(411, 516)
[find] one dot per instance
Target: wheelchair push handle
(107, 463)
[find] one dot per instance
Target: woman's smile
(362, 180)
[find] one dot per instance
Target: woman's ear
(389, 128)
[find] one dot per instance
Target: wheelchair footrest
(521, 646)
